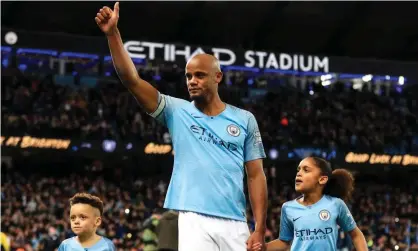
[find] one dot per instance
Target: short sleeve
(165, 109)
(345, 219)
(110, 245)
(61, 247)
(286, 226)
(253, 146)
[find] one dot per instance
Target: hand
(107, 19)
(256, 241)
(257, 247)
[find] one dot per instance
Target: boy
(85, 216)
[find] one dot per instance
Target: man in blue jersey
(213, 143)
(85, 217)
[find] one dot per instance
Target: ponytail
(340, 184)
(340, 181)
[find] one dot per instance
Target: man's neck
(212, 106)
(88, 240)
(311, 198)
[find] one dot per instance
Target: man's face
(202, 78)
(84, 218)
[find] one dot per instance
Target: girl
(310, 222)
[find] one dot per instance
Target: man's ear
(218, 77)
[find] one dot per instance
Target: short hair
(85, 198)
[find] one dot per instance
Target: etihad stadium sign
(228, 57)
(62, 45)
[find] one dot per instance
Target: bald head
(203, 74)
(207, 61)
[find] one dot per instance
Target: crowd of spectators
(347, 120)
(287, 116)
(35, 209)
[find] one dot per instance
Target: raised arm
(144, 92)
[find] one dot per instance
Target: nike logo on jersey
(295, 219)
(194, 116)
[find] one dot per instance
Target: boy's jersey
(209, 157)
(315, 227)
(71, 244)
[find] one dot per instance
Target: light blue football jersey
(315, 227)
(71, 244)
(210, 152)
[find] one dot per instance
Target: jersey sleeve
(286, 226)
(253, 145)
(110, 245)
(345, 219)
(61, 247)
(166, 108)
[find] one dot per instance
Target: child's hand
(257, 247)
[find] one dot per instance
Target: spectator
(167, 231)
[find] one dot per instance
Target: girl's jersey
(315, 227)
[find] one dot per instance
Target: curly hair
(85, 198)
